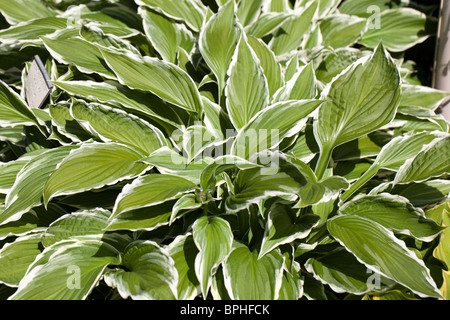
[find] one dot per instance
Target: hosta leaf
(266, 23)
(289, 35)
(87, 58)
(383, 253)
(216, 120)
(104, 18)
(437, 212)
(12, 134)
(9, 170)
(283, 226)
(277, 6)
(33, 29)
(312, 39)
(441, 214)
(213, 238)
(323, 191)
(148, 218)
(114, 125)
(399, 30)
(16, 257)
(132, 100)
(327, 6)
(66, 124)
(198, 143)
(302, 85)
(426, 97)
(186, 203)
(442, 251)
(167, 161)
(364, 147)
(248, 11)
(393, 155)
(192, 12)
(97, 36)
(222, 2)
(247, 90)
(362, 99)
(421, 194)
(80, 223)
(28, 223)
(13, 110)
(150, 190)
(16, 11)
(313, 289)
(116, 14)
(68, 270)
(267, 129)
(218, 41)
(219, 165)
(362, 8)
(93, 166)
(168, 81)
(27, 190)
(34, 221)
(305, 147)
(250, 278)
(339, 31)
(269, 64)
(424, 115)
(445, 289)
(343, 273)
(218, 290)
(432, 161)
(338, 60)
(183, 252)
(394, 213)
(380, 102)
(416, 122)
(291, 286)
(165, 35)
(400, 149)
(305, 169)
(253, 185)
(150, 273)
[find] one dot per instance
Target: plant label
(37, 85)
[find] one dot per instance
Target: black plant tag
(37, 84)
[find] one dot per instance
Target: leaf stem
(323, 161)
(221, 95)
(205, 209)
(360, 182)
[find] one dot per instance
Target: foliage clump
(266, 149)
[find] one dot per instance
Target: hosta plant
(265, 149)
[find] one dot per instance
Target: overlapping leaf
(16, 11)
(247, 90)
(357, 103)
(168, 81)
(218, 40)
(192, 12)
(28, 187)
(213, 237)
(114, 125)
(150, 190)
(249, 278)
(383, 253)
(150, 273)
(93, 166)
(68, 270)
(398, 29)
